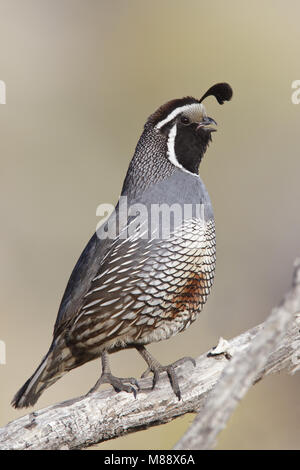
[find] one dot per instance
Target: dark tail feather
(49, 371)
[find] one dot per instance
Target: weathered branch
(105, 415)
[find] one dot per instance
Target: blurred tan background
(82, 76)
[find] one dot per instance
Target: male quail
(134, 286)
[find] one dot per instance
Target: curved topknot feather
(221, 91)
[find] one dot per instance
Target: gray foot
(157, 369)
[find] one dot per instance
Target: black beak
(206, 124)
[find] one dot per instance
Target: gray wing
(86, 268)
(84, 271)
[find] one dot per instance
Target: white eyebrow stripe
(177, 111)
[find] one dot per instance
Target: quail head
(147, 272)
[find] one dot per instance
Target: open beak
(206, 124)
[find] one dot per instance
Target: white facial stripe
(171, 150)
(194, 108)
(171, 147)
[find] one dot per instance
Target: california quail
(146, 274)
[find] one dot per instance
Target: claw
(135, 382)
(155, 378)
(173, 381)
(131, 380)
(125, 388)
(146, 373)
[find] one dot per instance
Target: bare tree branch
(79, 423)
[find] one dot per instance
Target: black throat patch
(190, 146)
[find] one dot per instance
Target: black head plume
(221, 91)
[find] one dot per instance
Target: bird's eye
(185, 120)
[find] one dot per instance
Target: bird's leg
(156, 368)
(118, 383)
